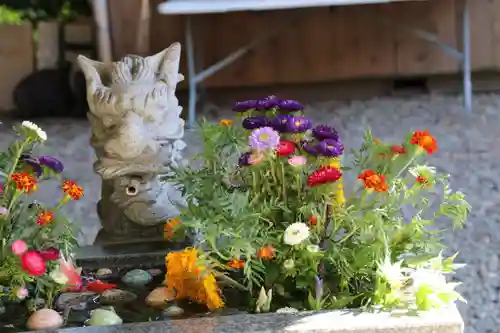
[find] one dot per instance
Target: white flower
(59, 277)
(287, 310)
(392, 273)
(289, 264)
(41, 135)
(424, 171)
(313, 248)
(432, 285)
(296, 233)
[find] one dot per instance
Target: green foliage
(20, 218)
(351, 245)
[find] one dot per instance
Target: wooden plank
(124, 22)
(495, 39)
(416, 56)
(16, 59)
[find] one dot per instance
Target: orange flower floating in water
(399, 150)
(169, 228)
(185, 278)
(425, 141)
(24, 181)
(72, 189)
(226, 122)
(236, 263)
(266, 252)
(373, 181)
(45, 217)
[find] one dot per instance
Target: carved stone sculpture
(137, 137)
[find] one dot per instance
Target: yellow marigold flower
(226, 122)
(186, 278)
(339, 192)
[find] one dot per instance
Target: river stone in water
(103, 317)
(158, 298)
(44, 319)
(155, 271)
(173, 311)
(117, 296)
(103, 272)
(137, 278)
(76, 301)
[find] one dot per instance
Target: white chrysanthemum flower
(287, 310)
(41, 135)
(296, 233)
(392, 273)
(313, 248)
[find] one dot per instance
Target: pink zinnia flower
(19, 247)
(297, 161)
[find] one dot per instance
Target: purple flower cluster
(327, 142)
(286, 123)
(268, 103)
(38, 162)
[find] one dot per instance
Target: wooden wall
(323, 44)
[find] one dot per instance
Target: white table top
(185, 7)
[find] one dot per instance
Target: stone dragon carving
(137, 136)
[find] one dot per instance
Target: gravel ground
(468, 151)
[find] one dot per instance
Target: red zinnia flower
(374, 181)
(50, 254)
(323, 175)
(425, 141)
(399, 150)
(33, 263)
(285, 148)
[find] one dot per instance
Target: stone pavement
(469, 151)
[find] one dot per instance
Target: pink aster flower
(297, 161)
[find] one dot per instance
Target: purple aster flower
(310, 149)
(32, 161)
(298, 124)
(318, 286)
(280, 122)
(244, 159)
(330, 148)
(251, 123)
(52, 163)
(322, 132)
(245, 105)
(264, 138)
(290, 105)
(268, 103)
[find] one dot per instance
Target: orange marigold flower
(45, 217)
(266, 252)
(399, 150)
(425, 141)
(226, 122)
(374, 181)
(169, 228)
(377, 141)
(313, 220)
(422, 181)
(186, 278)
(24, 181)
(72, 189)
(236, 263)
